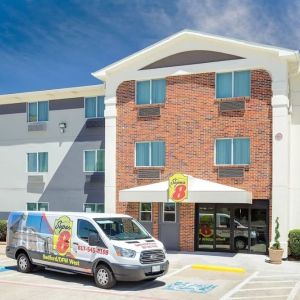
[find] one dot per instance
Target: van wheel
(240, 244)
(104, 278)
(24, 264)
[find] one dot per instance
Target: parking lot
(259, 281)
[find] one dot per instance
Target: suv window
(84, 228)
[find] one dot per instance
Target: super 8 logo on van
(62, 235)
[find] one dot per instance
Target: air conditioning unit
(149, 112)
(227, 172)
(148, 174)
(232, 106)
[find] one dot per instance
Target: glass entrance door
(222, 228)
(206, 228)
(242, 228)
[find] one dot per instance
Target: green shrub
(3, 228)
(294, 242)
(276, 244)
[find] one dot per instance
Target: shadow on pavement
(85, 280)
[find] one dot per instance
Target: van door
(85, 253)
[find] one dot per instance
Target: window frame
(231, 157)
(143, 211)
(84, 171)
(151, 101)
(37, 113)
(84, 206)
(150, 152)
(36, 206)
(232, 84)
(38, 163)
(168, 212)
(96, 97)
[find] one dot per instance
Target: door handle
(75, 244)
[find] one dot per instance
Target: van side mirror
(94, 240)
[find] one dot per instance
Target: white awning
(199, 191)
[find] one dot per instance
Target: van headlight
(253, 234)
(124, 252)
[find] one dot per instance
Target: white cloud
(245, 19)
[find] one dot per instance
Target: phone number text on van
(93, 250)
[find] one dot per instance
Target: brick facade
(190, 122)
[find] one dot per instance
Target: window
(94, 207)
(233, 84)
(94, 107)
(224, 222)
(40, 206)
(150, 154)
(146, 212)
(94, 160)
(84, 229)
(234, 151)
(37, 162)
(122, 229)
(169, 214)
(38, 111)
(151, 91)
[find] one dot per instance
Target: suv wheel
(104, 277)
(24, 264)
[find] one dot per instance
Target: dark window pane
(84, 229)
(259, 229)
(31, 206)
(43, 206)
(169, 217)
(146, 216)
(169, 206)
(145, 206)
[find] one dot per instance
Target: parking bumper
(140, 272)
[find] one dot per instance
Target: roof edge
(282, 52)
(54, 91)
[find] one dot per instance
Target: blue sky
(47, 44)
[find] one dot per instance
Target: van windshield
(122, 229)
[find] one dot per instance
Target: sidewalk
(2, 248)
(250, 262)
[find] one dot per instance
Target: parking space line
(271, 281)
(267, 288)
(259, 297)
(274, 276)
(294, 291)
(239, 286)
(175, 272)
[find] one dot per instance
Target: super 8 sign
(178, 187)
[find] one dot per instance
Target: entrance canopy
(199, 191)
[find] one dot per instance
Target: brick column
(155, 220)
(187, 226)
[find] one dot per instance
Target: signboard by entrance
(178, 187)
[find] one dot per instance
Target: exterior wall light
(62, 126)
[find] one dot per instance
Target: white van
(110, 247)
